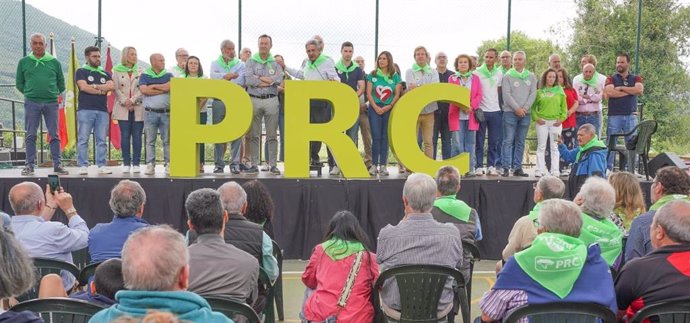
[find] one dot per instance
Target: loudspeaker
(663, 160)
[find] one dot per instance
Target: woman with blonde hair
(629, 199)
(128, 110)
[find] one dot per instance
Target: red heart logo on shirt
(383, 93)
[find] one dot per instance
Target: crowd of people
(560, 251)
(505, 98)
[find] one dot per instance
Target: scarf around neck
(229, 65)
(454, 207)
(340, 66)
(46, 58)
(98, 69)
(338, 249)
(520, 75)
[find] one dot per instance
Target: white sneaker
(538, 173)
(479, 171)
(383, 170)
(125, 169)
(83, 170)
(492, 171)
(104, 170)
(373, 170)
(167, 169)
(335, 171)
(135, 169)
(150, 169)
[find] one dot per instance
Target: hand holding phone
(54, 183)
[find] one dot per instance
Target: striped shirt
(496, 303)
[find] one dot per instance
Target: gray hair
(205, 210)
(506, 52)
(314, 42)
(179, 50)
(152, 258)
(561, 216)
(674, 217)
(522, 53)
(448, 180)
(42, 36)
(16, 268)
(551, 187)
(420, 192)
(126, 198)
(552, 56)
(227, 43)
(599, 197)
(589, 128)
(233, 197)
(24, 197)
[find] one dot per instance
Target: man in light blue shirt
(44, 238)
(227, 67)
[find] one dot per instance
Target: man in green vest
(597, 198)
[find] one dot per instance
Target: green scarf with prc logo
(605, 233)
(454, 207)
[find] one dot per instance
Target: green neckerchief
(605, 233)
(229, 65)
(124, 69)
(488, 74)
(424, 69)
(338, 249)
(90, 68)
(454, 207)
(534, 214)
(46, 58)
(555, 90)
(257, 58)
(593, 81)
(340, 66)
(554, 261)
(668, 198)
(318, 61)
(520, 75)
(465, 75)
(595, 142)
(379, 73)
(150, 72)
(502, 69)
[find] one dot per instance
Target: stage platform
(303, 207)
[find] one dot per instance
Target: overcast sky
(453, 26)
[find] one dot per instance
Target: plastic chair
(86, 273)
(665, 312)
(268, 312)
(644, 130)
(278, 286)
(81, 258)
(474, 251)
(420, 288)
(59, 309)
(231, 307)
(562, 312)
(44, 267)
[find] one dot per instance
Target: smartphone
(53, 182)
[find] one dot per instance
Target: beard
(620, 69)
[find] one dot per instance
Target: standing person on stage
(155, 85)
(421, 74)
(94, 84)
(226, 67)
(263, 76)
(39, 77)
(590, 93)
(350, 74)
(193, 69)
(506, 62)
(181, 56)
(490, 78)
(364, 127)
(245, 154)
(519, 88)
(281, 112)
(555, 62)
(622, 89)
(463, 122)
(317, 67)
(441, 114)
(128, 110)
(550, 109)
(383, 91)
(245, 54)
(568, 133)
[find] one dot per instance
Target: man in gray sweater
(519, 87)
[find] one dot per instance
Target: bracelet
(71, 211)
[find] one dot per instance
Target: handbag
(479, 115)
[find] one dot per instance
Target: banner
(114, 130)
(70, 106)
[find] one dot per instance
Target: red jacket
(475, 98)
(570, 98)
(327, 277)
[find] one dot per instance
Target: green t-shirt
(40, 82)
(383, 90)
(549, 105)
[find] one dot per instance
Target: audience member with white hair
(16, 276)
(588, 158)
(597, 198)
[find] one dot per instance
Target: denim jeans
(493, 124)
(98, 122)
(463, 141)
(594, 120)
(32, 122)
(203, 118)
(379, 136)
(218, 110)
(441, 130)
(514, 135)
(620, 124)
(155, 123)
(130, 131)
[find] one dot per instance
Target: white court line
(483, 272)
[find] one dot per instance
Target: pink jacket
(475, 98)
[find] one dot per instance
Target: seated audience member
(449, 209)
(101, 291)
(217, 268)
(670, 183)
(16, 277)
(525, 228)
(629, 200)
(127, 201)
(5, 220)
(151, 317)
(597, 199)
(326, 276)
(155, 268)
(662, 275)
(41, 237)
(259, 205)
(588, 158)
(533, 276)
(418, 240)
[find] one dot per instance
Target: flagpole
(74, 84)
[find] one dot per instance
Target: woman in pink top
(328, 269)
(462, 122)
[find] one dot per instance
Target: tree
(537, 50)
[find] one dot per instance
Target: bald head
(26, 198)
(157, 61)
